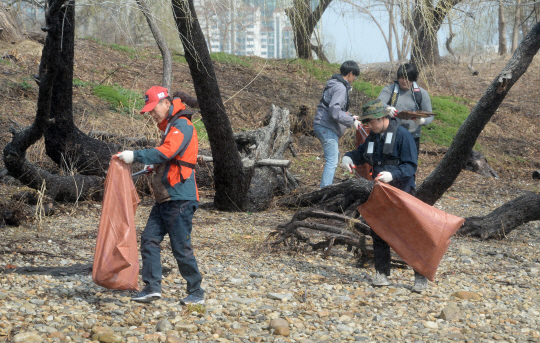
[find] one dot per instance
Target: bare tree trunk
(303, 21)
(231, 181)
(517, 22)
(449, 40)
(162, 44)
(319, 51)
(391, 25)
(502, 30)
(58, 46)
(65, 144)
(427, 20)
(9, 31)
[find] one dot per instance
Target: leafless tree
(304, 20)
(162, 44)
(502, 30)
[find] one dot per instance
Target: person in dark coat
(391, 151)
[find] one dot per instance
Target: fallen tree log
(342, 230)
(504, 219)
(477, 163)
(340, 197)
(254, 163)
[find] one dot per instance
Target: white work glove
(384, 176)
(149, 168)
(347, 163)
(419, 121)
(390, 111)
(356, 124)
(126, 156)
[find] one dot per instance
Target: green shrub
(80, 83)
(121, 99)
(202, 135)
(228, 58)
(25, 85)
(321, 70)
(451, 112)
(367, 88)
(132, 53)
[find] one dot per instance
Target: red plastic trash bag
(116, 260)
(418, 233)
(363, 170)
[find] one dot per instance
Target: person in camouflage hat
(391, 151)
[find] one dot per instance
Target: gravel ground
(484, 291)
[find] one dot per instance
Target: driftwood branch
(504, 219)
(337, 230)
(249, 163)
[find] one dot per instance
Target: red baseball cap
(152, 97)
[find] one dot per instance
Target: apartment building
(236, 28)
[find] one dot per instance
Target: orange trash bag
(116, 260)
(417, 232)
(363, 170)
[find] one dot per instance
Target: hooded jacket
(172, 178)
(334, 116)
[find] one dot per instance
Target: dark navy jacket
(404, 157)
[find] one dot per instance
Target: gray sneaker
(146, 297)
(192, 299)
(420, 283)
(380, 280)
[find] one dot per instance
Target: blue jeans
(173, 218)
(329, 141)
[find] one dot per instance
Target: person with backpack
(175, 191)
(405, 95)
(332, 117)
(390, 150)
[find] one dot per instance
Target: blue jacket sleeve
(357, 155)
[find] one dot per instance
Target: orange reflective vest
(175, 158)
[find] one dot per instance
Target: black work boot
(420, 283)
